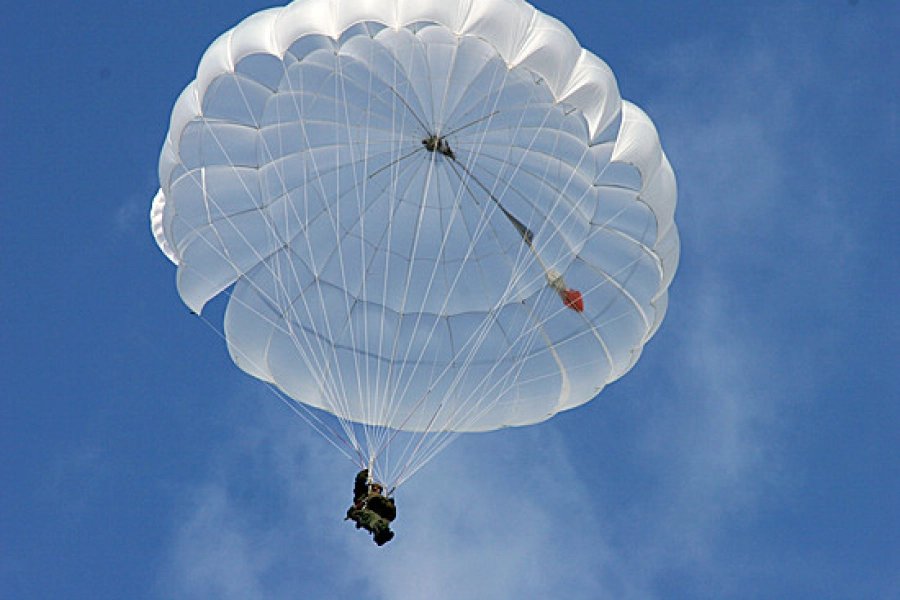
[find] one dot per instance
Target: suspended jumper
(371, 509)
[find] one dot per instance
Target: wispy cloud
(215, 554)
(498, 515)
(471, 527)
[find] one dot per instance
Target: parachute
(430, 217)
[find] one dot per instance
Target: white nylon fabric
(386, 281)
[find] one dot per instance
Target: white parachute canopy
(432, 216)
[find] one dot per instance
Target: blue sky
(752, 453)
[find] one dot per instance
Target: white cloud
(215, 554)
(500, 518)
(131, 214)
(510, 514)
(467, 526)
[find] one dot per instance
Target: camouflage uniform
(371, 510)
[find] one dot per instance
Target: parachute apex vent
(435, 143)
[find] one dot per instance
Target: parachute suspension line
(417, 457)
(332, 387)
(398, 429)
(378, 397)
(209, 199)
(426, 432)
(412, 454)
(591, 328)
(554, 279)
(311, 418)
(288, 306)
(341, 106)
(434, 379)
(373, 396)
(369, 399)
(388, 408)
(415, 450)
(473, 414)
(392, 374)
(292, 331)
(524, 232)
(346, 423)
(435, 143)
(398, 374)
(315, 421)
(353, 446)
(405, 296)
(439, 144)
(423, 457)
(376, 435)
(361, 185)
(463, 412)
(571, 298)
(343, 269)
(276, 271)
(439, 444)
(385, 242)
(558, 285)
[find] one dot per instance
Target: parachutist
(372, 510)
